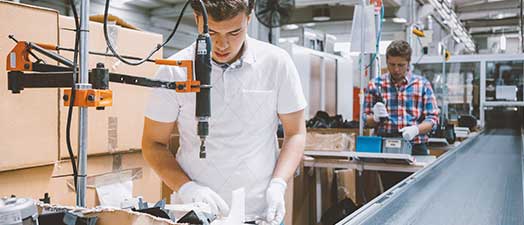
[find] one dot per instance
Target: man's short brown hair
(221, 10)
(399, 48)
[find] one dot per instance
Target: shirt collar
(406, 80)
(248, 55)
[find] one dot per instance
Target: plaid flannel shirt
(409, 103)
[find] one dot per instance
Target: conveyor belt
(478, 183)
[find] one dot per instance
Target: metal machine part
(396, 145)
(18, 211)
(203, 98)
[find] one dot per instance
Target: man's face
(397, 67)
(227, 36)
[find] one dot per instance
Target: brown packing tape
(112, 133)
(101, 170)
(94, 181)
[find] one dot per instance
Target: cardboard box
(106, 216)
(304, 201)
(30, 183)
(119, 127)
(55, 179)
(115, 166)
(330, 142)
(304, 198)
(28, 121)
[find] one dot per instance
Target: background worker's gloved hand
(410, 132)
(276, 208)
(379, 111)
(192, 192)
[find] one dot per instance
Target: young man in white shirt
(255, 85)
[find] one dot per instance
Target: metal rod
(51, 55)
(105, 54)
(82, 123)
(521, 21)
(323, 84)
(444, 79)
(318, 196)
(482, 92)
(362, 70)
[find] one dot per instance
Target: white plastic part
(363, 21)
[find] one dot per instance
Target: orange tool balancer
(23, 73)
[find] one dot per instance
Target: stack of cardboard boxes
(33, 135)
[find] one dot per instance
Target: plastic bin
(369, 144)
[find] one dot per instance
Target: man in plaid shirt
(406, 99)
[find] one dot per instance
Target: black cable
(73, 94)
(158, 47)
(204, 15)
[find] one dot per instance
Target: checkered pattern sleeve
(369, 99)
(431, 110)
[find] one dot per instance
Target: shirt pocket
(259, 107)
(414, 106)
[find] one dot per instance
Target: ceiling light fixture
(399, 20)
(290, 27)
(321, 14)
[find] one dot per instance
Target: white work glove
(379, 110)
(276, 208)
(191, 192)
(410, 132)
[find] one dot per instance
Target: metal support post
(362, 73)
(82, 123)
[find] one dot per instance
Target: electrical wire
(158, 47)
(379, 35)
(73, 94)
(205, 27)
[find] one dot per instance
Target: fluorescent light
(321, 18)
(309, 24)
(503, 42)
(399, 20)
(290, 27)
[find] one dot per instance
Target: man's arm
(368, 105)
(370, 122)
(154, 150)
(293, 146)
(430, 110)
(425, 127)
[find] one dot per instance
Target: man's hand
(379, 111)
(276, 208)
(192, 192)
(410, 132)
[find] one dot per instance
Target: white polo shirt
(246, 98)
